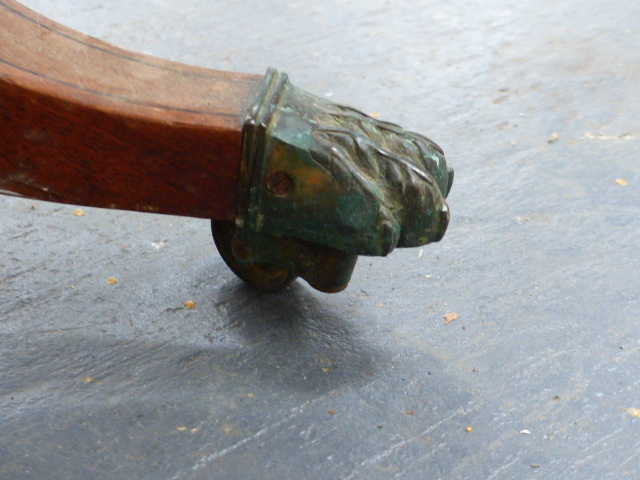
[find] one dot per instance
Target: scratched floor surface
(536, 105)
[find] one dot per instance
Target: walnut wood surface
(87, 123)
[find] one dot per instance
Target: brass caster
(262, 276)
(269, 262)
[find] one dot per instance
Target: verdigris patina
(322, 183)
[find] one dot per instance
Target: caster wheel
(262, 276)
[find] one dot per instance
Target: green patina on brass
(315, 174)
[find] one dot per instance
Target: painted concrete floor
(536, 105)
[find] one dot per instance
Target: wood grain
(84, 122)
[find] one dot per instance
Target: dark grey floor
(540, 263)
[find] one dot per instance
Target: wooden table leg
(84, 122)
